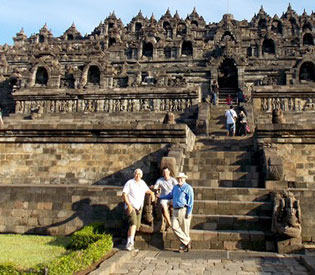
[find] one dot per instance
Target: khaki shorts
(134, 218)
(166, 203)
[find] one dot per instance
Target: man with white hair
(133, 195)
(183, 201)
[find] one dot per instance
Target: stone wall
(308, 209)
(298, 162)
(297, 102)
(89, 164)
(58, 210)
(295, 145)
(85, 154)
(61, 210)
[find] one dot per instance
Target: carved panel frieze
(105, 105)
(291, 104)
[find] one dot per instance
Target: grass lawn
(26, 251)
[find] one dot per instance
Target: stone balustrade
(297, 98)
(107, 101)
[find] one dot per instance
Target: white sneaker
(131, 247)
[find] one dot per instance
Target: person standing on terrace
(133, 197)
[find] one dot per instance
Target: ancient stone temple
(82, 112)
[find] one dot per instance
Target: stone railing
(287, 98)
(108, 101)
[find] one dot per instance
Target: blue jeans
(230, 127)
(214, 99)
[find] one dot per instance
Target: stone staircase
(232, 209)
(217, 122)
(232, 218)
(223, 94)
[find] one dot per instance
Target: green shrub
(89, 245)
(8, 269)
(86, 236)
(80, 259)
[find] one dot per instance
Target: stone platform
(214, 262)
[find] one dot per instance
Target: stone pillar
(202, 125)
(240, 73)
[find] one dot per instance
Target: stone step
(225, 183)
(218, 133)
(221, 168)
(221, 175)
(215, 161)
(207, 154)
(222, 147)
(231, 194)
(231, 222)
(239, 183)
(210, 239)
(231, 239)
(217, 124)
(229, 142)
(218, 117)
(217, 127)
(214, 207)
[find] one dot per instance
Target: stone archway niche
(307, 72)
(94, 75)
(147, 49)
(41, 78)
(227, 74)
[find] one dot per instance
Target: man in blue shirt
(183, 201)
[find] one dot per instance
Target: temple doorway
(227, 80)
(307, 72)
(41, 77)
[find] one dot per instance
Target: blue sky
(86, 14)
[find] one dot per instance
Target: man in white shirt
(165, 184)
(133, 196)
(230, 121)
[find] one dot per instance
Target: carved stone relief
(286, 218)
(287, 104)
(104, 105)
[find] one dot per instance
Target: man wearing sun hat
(183, 201)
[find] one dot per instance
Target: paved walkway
(207, 262)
